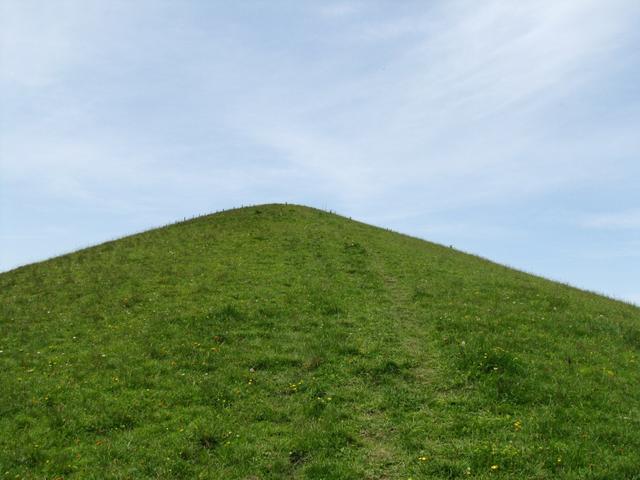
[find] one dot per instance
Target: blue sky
(507, 129)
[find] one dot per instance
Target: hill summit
(281, 341)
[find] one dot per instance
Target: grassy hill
(286, 342)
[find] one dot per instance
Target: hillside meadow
(280, 341)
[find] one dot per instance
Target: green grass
(286, 342)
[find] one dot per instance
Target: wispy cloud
(470, 98)
(340, 9)
(461, 97)
(629, 219)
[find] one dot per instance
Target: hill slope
(285, 342)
